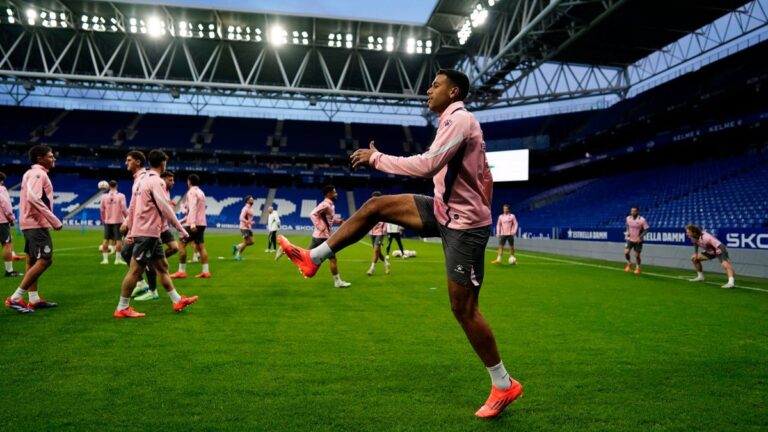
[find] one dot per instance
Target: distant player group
(459, 213)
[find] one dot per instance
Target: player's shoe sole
(205, 275)
(728, 286)
(42, 304)
(500, 399)
(179, 275)
(300, 257)
(128, 313)
(18, 305)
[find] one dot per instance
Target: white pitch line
(645, 273)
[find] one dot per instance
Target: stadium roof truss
(521, 52)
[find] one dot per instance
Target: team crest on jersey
(447, 123)
(47, 249)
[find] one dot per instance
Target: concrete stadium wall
(747, 262)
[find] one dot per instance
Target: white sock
(34, 297)
(730, 280)
(18, 294)
(373, 266)
(175, 297)
(320, 253)
(498, 257)
(205, 268)
(9, 266)
(105, 255)
(123, 303)
(700, 275)
(336, 278)
(499, 376)
(13, 253)
(183, 268)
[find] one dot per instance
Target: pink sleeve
(35, 189)
(123, 210)
(102, 208)
(498, 226)
(166, 209)
(448, 141)
(7, 208)
(514, 225)
(243, 213)
(129, 220)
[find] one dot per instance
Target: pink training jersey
(456, 161)
(322, 218)
(36, 206)
(6, 207)
(378, 229)
(246, 217)
(506, 225)
(708, 243)
(152, 207)
(113, 210)
(196, 204)
(165, 222)
(137, 176)
(634, 227)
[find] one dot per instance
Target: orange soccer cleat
(298, 256)
(203, 275)
(179, 275)
(637, 270)
(499, 399)
(628, 268)
(183, 303)
(128, 313)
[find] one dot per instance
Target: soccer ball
(512, 260)
(103, 185)
(396, 253)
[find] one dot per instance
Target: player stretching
(459, 213)
(506, 229)
(36, 218)
(113, 213)
(712, 248)
(166, 237)
(246, 223)
(7, 220)
(196, 227)
(377, 239)
(637, 228)
(149, 208)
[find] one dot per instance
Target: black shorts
(377, 240)
(127, 252)
(146, 249)
(166, 237)
(723, 254)
(246, 233)
(38, 244)
(112, 232)
(637, 246)
(504, 239)
(316, 241)
(197, 237)
(5, 233)
(464, 249)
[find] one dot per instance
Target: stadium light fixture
(31, 16)
(155, 27)
(278, 35)
(478, 16)
(410, 45)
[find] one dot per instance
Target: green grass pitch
(263, 349)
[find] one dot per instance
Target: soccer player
(134, 163)
(506, 229)
(113, 213)
(323, 216)
(171, 248)
(196, 224)
(273, 226)
(377, 239)
(637, 228)
(246, 225)
(36, 218)
(7, 220)
(712, 248)
(394, 232)
(459, 213)
(149, 208)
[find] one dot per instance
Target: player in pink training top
(150, 207)
(195, 225)
(377, 239)
(637, 228)
(36, 218)
(246, 225)
(506, 229)
(459, 213)
(7, 220)
(712, 248)
(113, 213)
